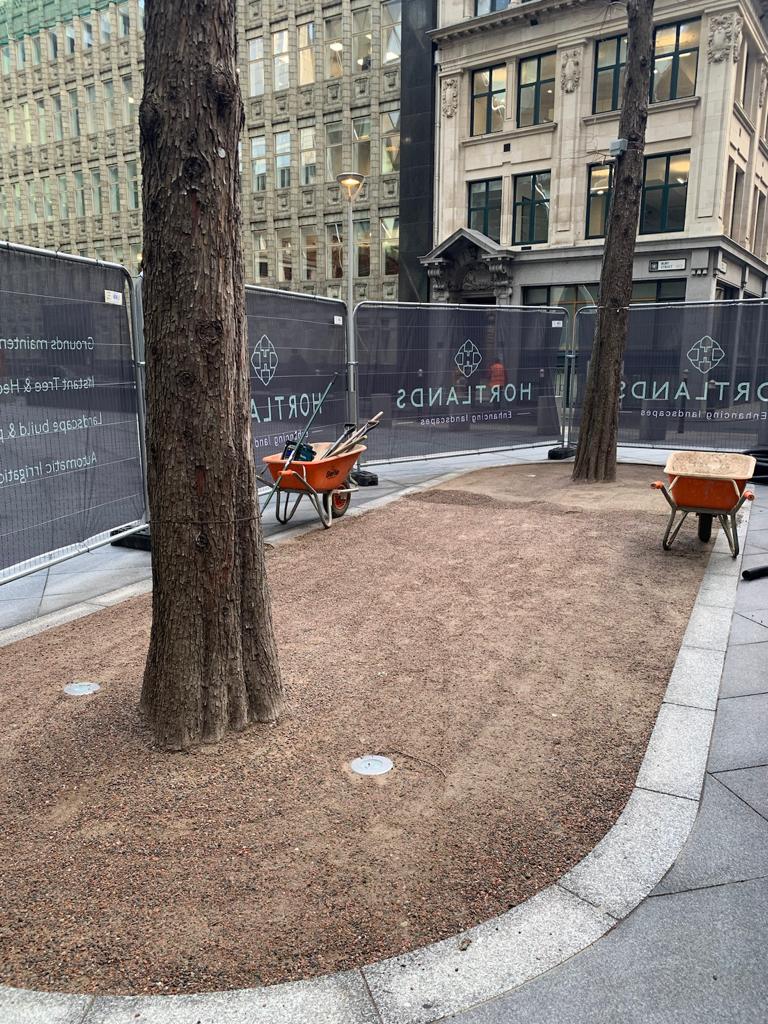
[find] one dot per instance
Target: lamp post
(351, 183)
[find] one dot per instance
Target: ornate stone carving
(724, 37)
(438, 285)
(476, 279)
(570, 70)
(450, 97)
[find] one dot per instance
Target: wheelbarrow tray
(711, 482)
(321, 475)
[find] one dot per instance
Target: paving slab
(750, 784)
(708, 627)
(740, 737)
(752, 594)
(710, 855)
(26, 587)
(15, 613)
(444, 978)
(758, 615)
(717, 591)
(17, 1006)
(691, 958)
(745, 670)
(695, 679)
(82, 585)
(676, 757)
(635, 854)
(746, 631)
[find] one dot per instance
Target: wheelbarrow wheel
(337, 502)
(705, 526)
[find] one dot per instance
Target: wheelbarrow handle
(659, 485)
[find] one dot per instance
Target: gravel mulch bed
(509, 656)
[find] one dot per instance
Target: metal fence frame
(48, 559)
(713, 304)
(473, 307)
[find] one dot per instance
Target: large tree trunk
(596, 450)
(212, 663)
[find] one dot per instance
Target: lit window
(260, 256)
(284, 258)
(335, 251)
(306, 53)
(334, 135)
(309, 248)
(390, 246)
(334, 48)
(361, 144)
(489, 98)
(665, 191)
(599, 194)
(390, 31)
(362, 248)
(390, 142)
(361, 39)
(536, 90)
(675, 61)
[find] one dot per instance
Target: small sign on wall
(655, 266)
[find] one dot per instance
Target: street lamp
(351, 183)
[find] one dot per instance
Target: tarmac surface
(662, 923)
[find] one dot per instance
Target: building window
(307, 53)
(21, 55)
(5, 59)
(334, 48)
(26, 117)
(659, 291)
(105, 27)
(489, 100)
(70, 42)
(255, 67)
(284, 258)
(536, 90)
(47, 199)
(334, 135)
(18, 215)
(610, 68)
(258, 163)
(362, 248)
(485, 207)
(758, 232)
(96, 193)
(3, 214)
(361, 145)
(307, 155)
(74, 114)
(665, 188)
(531, 215)
(489, 6)
(599, 193)
(109, 105)
(140, 5)
(675, 60)
(132, 173)
(127, 84)
(123, 21)
(32, 201)
(361, 39)
(391, 13)
(335, 249)
(87, 35)
(114, 190)
(11, 118)
(280, 60)
(58, 119)
(260, 256)
(53, 45)
(390, 246)
(390, 142)
(37, 51)
(79, 194)
(42, 122)
(282, 159)
(63, 197)
(309, 249)
(90, 109)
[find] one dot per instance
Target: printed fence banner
(70, 462)
(459, 378)
(296, 344)
(695, 375)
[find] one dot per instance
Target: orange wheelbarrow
(709, 484)
(324, 481)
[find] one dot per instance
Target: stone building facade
(528, 107)
(321, 88)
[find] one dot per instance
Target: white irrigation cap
(80, 689)
(371, 764)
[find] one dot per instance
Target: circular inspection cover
(371, 764)
(80, 689)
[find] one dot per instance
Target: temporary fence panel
(296, 344)
(70, 458)
(459, 378)
(695, 375)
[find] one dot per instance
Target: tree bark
(212, 662)
(596, 450)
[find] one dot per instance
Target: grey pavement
(691, 942)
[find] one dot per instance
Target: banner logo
(705, 354)
(468, 358)
(264, 360)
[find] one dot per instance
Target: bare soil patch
(509, 655)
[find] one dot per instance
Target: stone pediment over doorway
(468, 266)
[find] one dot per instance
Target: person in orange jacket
(497, 373)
